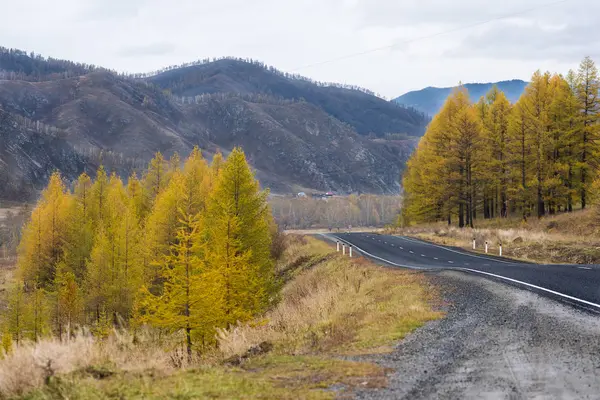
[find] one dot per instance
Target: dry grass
(341, 305)
(31, 365)
(330, 306)
(567, 238)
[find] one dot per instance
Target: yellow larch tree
(587, 92)
(188, 295)
(43, 244)
(239, 239)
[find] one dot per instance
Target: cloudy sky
(313, 37)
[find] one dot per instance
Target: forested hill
(431, 99)
(297, 134)
(357, 107)
(494, 159)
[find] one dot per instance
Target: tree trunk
(541, 211)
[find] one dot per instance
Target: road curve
(578, 285)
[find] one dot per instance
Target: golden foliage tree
(188, 248)
(537, 156)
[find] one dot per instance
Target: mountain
(431, 99)
(27, 156)
(297, 134)
(360, 109)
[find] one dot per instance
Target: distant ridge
(431, 99)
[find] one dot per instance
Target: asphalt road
(578, 285)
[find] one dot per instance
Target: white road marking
(401, 248)
(379, 258)
(589, 303)
(588, 268)
(412, 252)
(422, 255)
(451, 262)
(454, 251)
(392, 245)
(597, 306)
(435, 258)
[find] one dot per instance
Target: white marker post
(474, 244)
(500, 249)
(350, 251)
(486, 247)
(343, 249)
(338, 246)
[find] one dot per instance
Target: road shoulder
(495, 342)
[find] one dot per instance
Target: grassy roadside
(566, 238)
(330, 307)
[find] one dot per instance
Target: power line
(461, 28)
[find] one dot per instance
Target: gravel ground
(496, 342)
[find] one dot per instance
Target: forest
(494, 159)
(185, 248)
(336, 212)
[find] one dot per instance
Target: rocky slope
(73, 120)
(357, 107)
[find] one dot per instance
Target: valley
(285, 223)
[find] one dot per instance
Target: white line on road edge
(566, 296)
(450, 262)
(588, 268)
(375, 257)
(422, 255)
(597, 306)
(454, 251)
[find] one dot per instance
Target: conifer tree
(156, 179)
(189, 295)
(161, 231)
(239, 240)
(16, 313)
(68, 310)
(97, 282)
(200, 249)
(135, 192)
(496, 170)
(43, 243)
(98, 201)
(79, 228)
(588, 85)
(37, 312)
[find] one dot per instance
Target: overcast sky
(294, 35)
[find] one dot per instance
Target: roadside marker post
(350, 251)
(486, 247)
(500, 249)
(343, 249)
(338, 246)
(474, 244)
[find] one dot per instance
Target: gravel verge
(496, 342)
